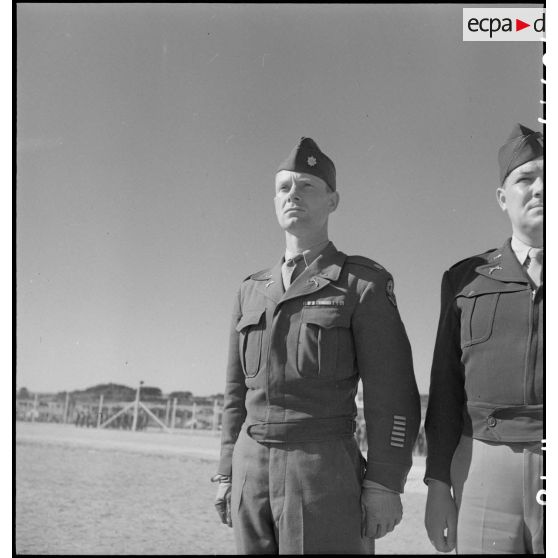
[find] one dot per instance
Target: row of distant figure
(420, 444)
(124, 421)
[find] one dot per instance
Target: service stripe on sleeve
(398, 431)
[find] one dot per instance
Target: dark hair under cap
(522, 145)
(308, 157)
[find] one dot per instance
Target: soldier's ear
(333, 201)
(501, 197)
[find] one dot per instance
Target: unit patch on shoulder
(389, 292)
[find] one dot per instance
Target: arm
(390, 395)
(444, 423)
(391, 403)
(234, 413)
(234, 410)
(444, 416)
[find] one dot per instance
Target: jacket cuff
(390, 475)
(225, 462)
(437, 470)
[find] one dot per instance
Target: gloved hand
(381, 509)
(223, 498)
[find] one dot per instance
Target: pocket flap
(326, 317)
(250, 317)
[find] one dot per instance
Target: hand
(381, 510)
(223, 502)
(441, 514)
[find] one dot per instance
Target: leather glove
(381, 509)
(223, 498)
(440, 518)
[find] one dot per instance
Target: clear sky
(147, 141)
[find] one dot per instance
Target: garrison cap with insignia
(307, 157)
(522, 145)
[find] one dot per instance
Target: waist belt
(304, 430)
(518, 423)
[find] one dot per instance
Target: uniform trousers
(298, 498)
(495, 488)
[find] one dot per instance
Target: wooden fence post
(173, 419)
(35, 405)
(167, 412)
(100, 412)
(66, 405)
(193, 415)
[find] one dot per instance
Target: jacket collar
(320, 273)
(502, 265)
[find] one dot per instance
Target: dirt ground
(89, 491)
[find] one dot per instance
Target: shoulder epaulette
(476, 256)
(366, 262)
(260, 275)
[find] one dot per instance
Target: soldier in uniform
(484, 422)
(303, 333)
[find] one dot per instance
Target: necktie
(535, 265)
(291, 269)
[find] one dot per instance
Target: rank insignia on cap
(309, 158)
(389, 292)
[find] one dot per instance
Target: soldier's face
(521, 197)
(303, 202)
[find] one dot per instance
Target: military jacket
(299, 354)
(487, 370)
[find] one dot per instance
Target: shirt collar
(309, 254)
(520, 249)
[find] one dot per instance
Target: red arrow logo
(519, 25)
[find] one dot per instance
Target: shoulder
(261, 275)
(464, 271)
(361, 263)
(472, 262)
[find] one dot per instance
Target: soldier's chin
(291, 224)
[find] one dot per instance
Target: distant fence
(168, 414)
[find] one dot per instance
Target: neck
(531, 238)
(298, 244)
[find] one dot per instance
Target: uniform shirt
(520, 249)
(309, 254)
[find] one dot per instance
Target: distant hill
(110, 392)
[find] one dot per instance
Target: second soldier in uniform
(303, 332)
(484, 423)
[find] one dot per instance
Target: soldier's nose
(538, 187)
(294, 195)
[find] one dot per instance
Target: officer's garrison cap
(308, 157)
(522, 145)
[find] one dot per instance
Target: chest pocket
(324, 334)
(477, 316)
(251, 327)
